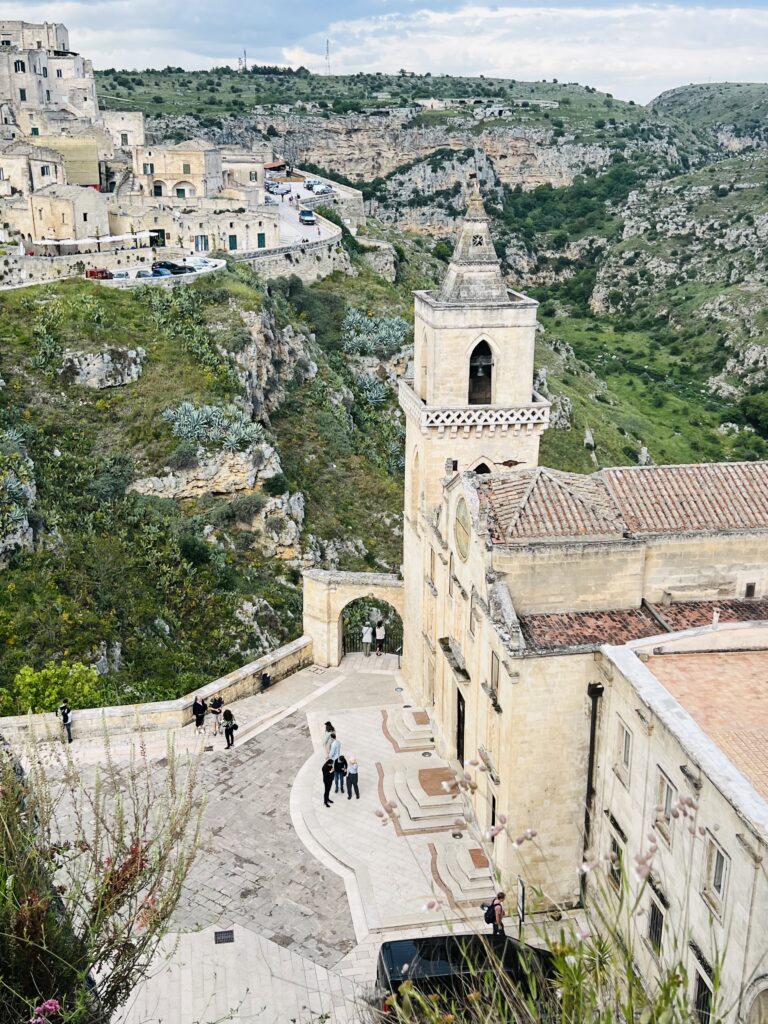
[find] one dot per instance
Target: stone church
(598, 643)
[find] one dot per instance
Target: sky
(634, 50)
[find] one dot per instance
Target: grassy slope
(741, 104)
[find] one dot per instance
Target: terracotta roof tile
(545, 504)
(695, 498)
(571, 629)
(688, 614)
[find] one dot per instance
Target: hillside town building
(191, 195)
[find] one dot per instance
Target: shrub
(276, 485)
(44, 690)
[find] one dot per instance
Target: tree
(44, 690)
(90, 876)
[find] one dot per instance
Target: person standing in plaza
(380, 635)
(352, 774)
(328, 738)
(339, 773)
(327, 782)
(199, 708)
(367, 639)
(229, 728)
(66, 719)
(217, 704)
(334, 748)
(494, 913)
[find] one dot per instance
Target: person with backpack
(229, 728)
(327, 781)
(339, 773)
(494, 913)
(199, 708)
(216, 705)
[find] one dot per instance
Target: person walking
(199, 708)
(327, 739)
(380, 635)
(230, 725)
(494, 913)
(66, 719)
(367, 639)
(352, 778)
(216, 705)
(327, 782)
(339, 773)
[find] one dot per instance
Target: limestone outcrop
(271, 359)
(108, 369)
(214, 473)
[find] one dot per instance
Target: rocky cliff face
(272, 358)
(214, 473)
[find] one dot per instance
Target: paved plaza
(308, 892)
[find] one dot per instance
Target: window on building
(45, 171)
(253, 176)
(148, 168)
(35, 131)
(480, 375)
(232, 242)
(181, 193)
(616, 854)
(261, 240)
(432, 565)
(494, 672)
(201, 243)
(702, 1000)
(655, 925)
(19, 67)
(472, 616)
(716, 880)
(5, 42)
(45, 72)
(749, 590)
(59, 73)
(47, 95)
(186, 169)
(123, 139)
(157, 189)
(624, 753)
(85, 218)
(450, 576)
(23, 95)
(666, 797)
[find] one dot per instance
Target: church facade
(533, 601)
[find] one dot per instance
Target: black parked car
(173, 268)
(450, 965)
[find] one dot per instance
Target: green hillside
(740, 105)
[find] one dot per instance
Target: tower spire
(474, 273)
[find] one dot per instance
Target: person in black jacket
(229, 728)
(199, 709)
(339, 773)
(327, 781)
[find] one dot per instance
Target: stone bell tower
(470, 404)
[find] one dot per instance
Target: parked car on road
(281, 190)
(269, 201)
(198, 262)
(99, 274)
(307, 217)
(312, 183)
(454, 965)
(323, 190)
(173, 268)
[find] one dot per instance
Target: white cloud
(633, 50)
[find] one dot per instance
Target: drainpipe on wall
(594, 692)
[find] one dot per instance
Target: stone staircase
(416, 789)
(409, 729)
(465, 870)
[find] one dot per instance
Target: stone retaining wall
(16, 271)
(172, 714)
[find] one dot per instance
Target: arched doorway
(481, 375)
(758, 1011)
(372, 610)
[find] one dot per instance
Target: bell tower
(470, 404)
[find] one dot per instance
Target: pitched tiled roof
(573, 629)
(545, 504)
(694, 498)
(688, 614)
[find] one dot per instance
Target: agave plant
(373, 335)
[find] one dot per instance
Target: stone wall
(16, 271)
(311, 261)
(171, 714)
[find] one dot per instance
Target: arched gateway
(327, 594)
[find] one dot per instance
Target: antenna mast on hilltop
(327, 57)
(242, 62)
